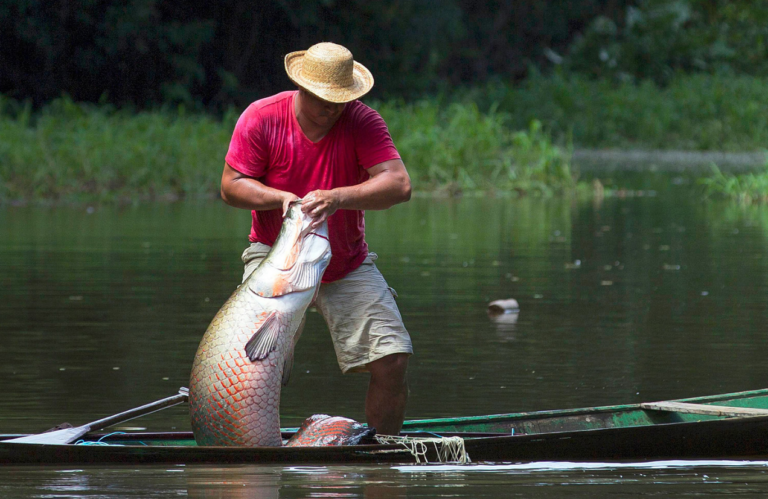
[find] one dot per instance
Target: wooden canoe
(729, 426)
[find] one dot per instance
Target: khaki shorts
(359, 309)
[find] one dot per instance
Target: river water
(648, 295)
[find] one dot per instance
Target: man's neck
(313, 131)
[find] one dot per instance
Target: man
(323, 145)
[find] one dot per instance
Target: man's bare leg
(387, 394)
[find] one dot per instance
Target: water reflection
(504, 313)
(124, 295)
(542, 480)
(273, 483)
(103, 311)
(234, 483)
(505, 325)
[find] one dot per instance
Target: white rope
(448, 449)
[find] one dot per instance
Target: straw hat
(328, 71)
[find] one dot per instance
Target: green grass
(746, 188)
(69, 152)
(455, 147)
(504, 138)
(693, 112)
(73, 152)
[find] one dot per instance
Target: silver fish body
(247, 351)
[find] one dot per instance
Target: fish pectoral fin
(304, 276)
(264, 340)
(273, 282)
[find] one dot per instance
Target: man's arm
(242, 191)
(388, 185)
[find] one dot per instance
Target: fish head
(298, 258)
(302, 243)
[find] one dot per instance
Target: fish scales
(234, 396)
(322, 430)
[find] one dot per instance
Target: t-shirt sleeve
(373, 143)
(247, 151)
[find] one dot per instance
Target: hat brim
(362, 81)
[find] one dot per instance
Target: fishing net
(448, 449)
(99, 442)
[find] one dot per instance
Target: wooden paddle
(69, 435)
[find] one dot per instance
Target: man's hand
(388, 185)
(320, 205)
(288, 198)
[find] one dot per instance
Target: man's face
(320, 112)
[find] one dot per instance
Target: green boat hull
(611, 433)
(589, 418)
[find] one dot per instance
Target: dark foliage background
(146, 52)
(214, 54)
(658, 39)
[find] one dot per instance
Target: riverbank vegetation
(745, 188)
(79, 152)
(503, 138)
(487, 97)
(691, 112)
(72, 152)
(506, 138)
(455, 148)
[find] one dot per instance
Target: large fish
(247, 352)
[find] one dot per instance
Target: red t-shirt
(269, 145)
